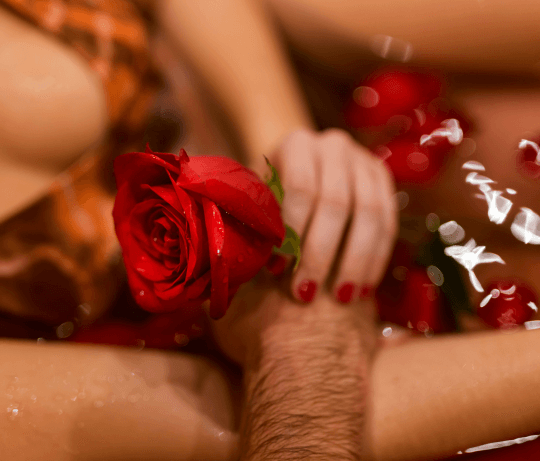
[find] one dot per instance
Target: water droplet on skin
(33, 398)
(98, 404)
(40, 340)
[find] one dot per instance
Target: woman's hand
(337, 197)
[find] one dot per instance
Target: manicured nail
(306, 290)
(345, 292)
(366, 291)
(277, 265)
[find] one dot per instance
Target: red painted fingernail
(366, 291)
(277, 265)
(306, 290)
(345, 292)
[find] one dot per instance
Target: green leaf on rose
(274, 183)
(291, 245)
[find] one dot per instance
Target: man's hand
(306, 372)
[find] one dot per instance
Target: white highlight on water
(450, 130)
(451, 232)
(388, 47)
(526, 226)
(469, 256)
(485, 300)
(498, 206)
(504, 443)
(532, 324)
(526, 143)
(473, 165)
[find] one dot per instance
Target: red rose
(191, 229)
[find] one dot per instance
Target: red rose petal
(198, 262)
(218, 266)
(236, 190)
(136, 168)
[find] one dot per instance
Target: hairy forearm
(233, 47)
(306, 389)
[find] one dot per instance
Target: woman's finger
(329, 219)
(364, 233)
(296, 165)
(384, 245)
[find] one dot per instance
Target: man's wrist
(306, 391)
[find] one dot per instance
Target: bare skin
(73, 402)
(74, 70)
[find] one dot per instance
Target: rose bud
(192, 229)
(413, 301)
(411, 163)
(389, 93)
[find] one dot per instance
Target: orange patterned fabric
(59, 258)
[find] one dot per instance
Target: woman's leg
(499, 36)
(74, 402)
